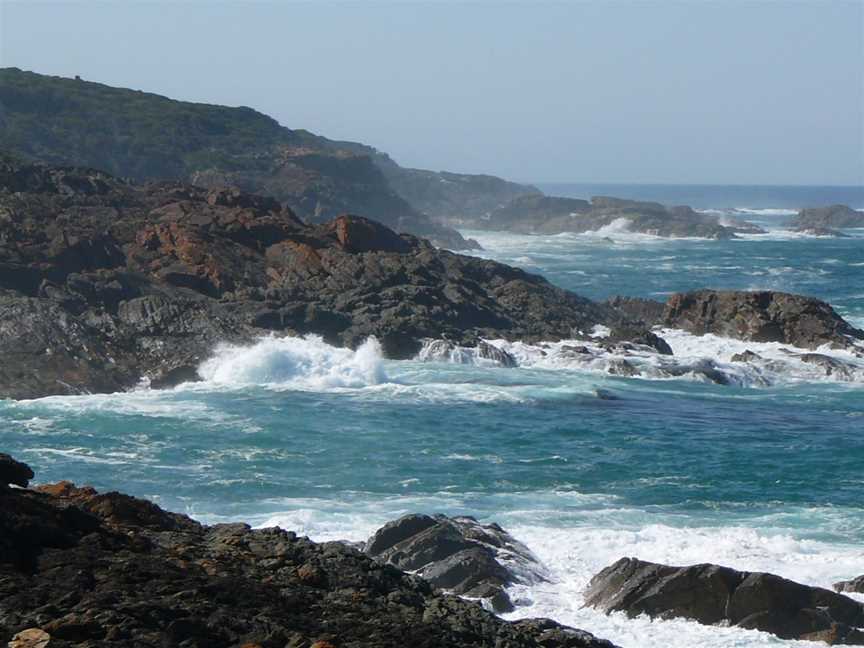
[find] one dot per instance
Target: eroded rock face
(761, 316)
(103, 283)
(711, 594)
(457, 554)
(82, 568)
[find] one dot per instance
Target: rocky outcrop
(853, 585)
(538, 214)
(155, 138)
(14, 472)
(457, 554)
(103, 283)
(761, 316)
(827, 219)
(82, 568)
(713, 595)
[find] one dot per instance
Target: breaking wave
(296, 363)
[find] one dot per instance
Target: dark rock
(458, 555)
(831, 217)
(181, 269)
(82, 568)
(760, 316)
(210, 146)
(538, 214)
(711, 595)
(746, 356)
(14, 472)
(854, 585)
(648, 311)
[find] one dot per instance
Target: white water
(302, 363)
(574, 546)
(778, 364)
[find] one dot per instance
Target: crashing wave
(707, 359)
(295, 363)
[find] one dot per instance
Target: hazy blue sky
(674, 92)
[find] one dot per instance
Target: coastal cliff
(103, 283)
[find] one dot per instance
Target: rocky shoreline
(104, 283)
(82, 568)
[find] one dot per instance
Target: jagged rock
(79, 567)
(711, 595)
(854, 585)
(831, 218)
(14, 472)
(103, 283)
(760, 316)
(457, 554)
(207, 145)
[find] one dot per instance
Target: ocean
(762, 474)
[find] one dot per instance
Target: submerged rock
(854, 585)
(79, 567)
(457, 554)
(711, 594)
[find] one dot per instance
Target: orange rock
(30, 638)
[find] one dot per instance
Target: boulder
(761, 316)
(14, 472)
(357, 234)
(711, 594)
(457, 554)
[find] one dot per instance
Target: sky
(699, 91)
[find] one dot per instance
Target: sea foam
(305, 363)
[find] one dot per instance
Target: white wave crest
(305, 363)
(706, 358)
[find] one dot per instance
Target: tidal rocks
(761, 316)
(828, 218)
(711, 594)
(446, 351)
(86, 568)
(14, 472)
(854, 585)
(103, 283)
(457, 554)
(539, 214)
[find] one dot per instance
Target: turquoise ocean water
(763, 474)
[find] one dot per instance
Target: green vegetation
(132, 133)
